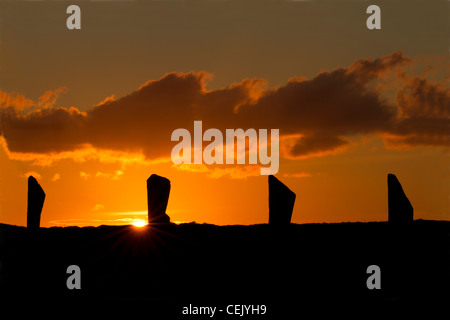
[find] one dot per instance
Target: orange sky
(90, 112)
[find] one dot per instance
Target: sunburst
(139, 223)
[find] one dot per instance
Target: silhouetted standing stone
(158, 190)
(281, 202)
(400, 210)
(36, 197)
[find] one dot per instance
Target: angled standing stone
(36, 197)
(281, 202)
(400, 210)
(158, 190)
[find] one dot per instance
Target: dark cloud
(316, 145)
(365, 70)
(43, 130)
(324, 109)
(424, 114)
(321, 112)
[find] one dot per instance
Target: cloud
(32, 173)
(13, 100)
(56, 177)
(236, 172)
(19, 102)
(298, 175)
(98, 207)
(93, 222)
(233, 172)
(424, 115)
(317, 145)
(49, 98)
(191, 167)
(113, 176)
(315, 116)
(85, 175)
(43, 130)
(86, 153)
(119, 218)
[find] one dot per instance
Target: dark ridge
(189, 263)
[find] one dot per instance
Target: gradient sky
(90, 112)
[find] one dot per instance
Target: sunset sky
(89, 113)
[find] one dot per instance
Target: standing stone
(158, 190)
(400, 210)
(36, 197)
(281, 202)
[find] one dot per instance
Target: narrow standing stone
(400, 210)
(36, 197)
(281, 202)
(158, 190)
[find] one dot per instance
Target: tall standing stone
(158, 190)
(400, 210)
(281, 202)
(36, 197)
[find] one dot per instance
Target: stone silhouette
(400, 210)
(158, 190)
(281, 202)
(36, 197)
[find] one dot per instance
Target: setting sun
(139, 223)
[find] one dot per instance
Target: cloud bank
(315, 116)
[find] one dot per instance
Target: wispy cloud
(20, 102)
(298, 175)
(85, 175)
(14, 100)
(113, 176)
(230, 171)
(98, 207)
(85, 153)
(236, 172)
(118, 218)
(32, 173)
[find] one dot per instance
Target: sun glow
(139, 223)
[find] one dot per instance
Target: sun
(139, 223)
